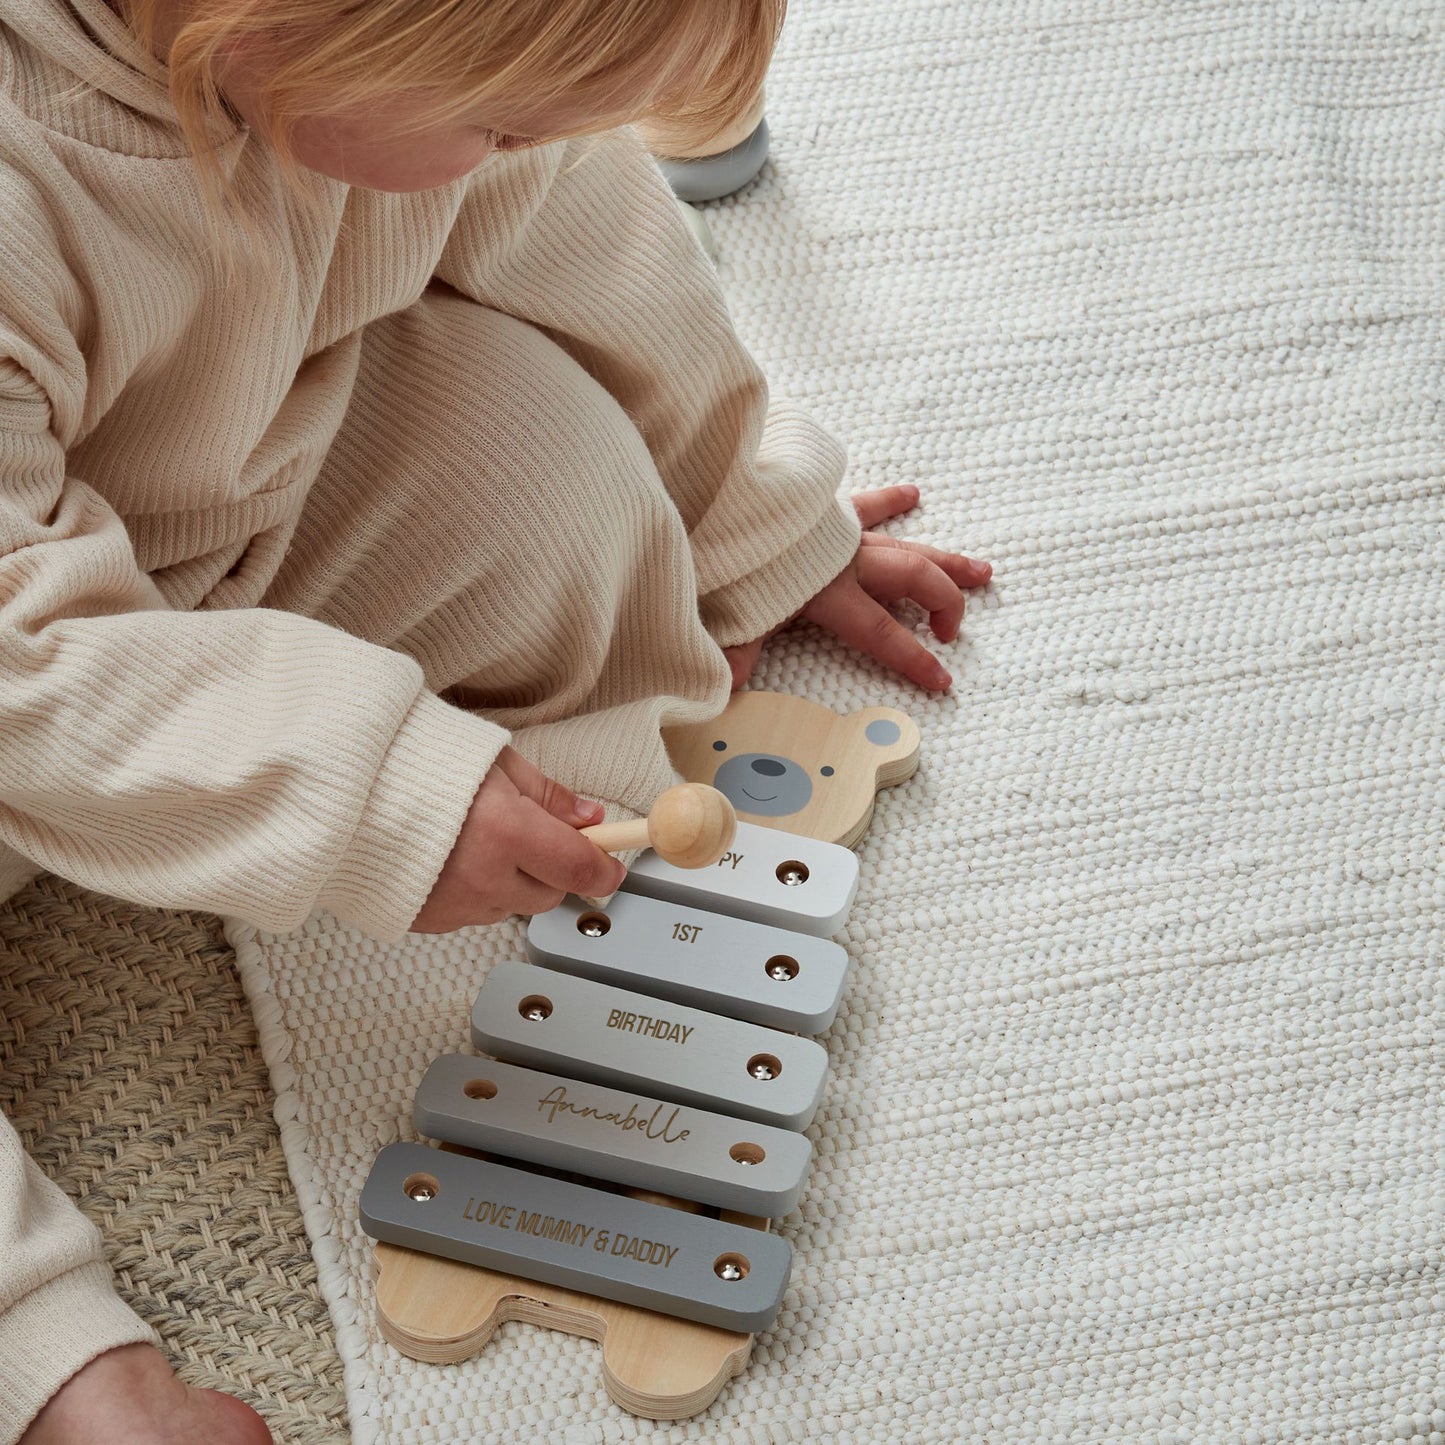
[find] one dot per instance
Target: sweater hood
(90, 41)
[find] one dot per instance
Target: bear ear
(890, 739)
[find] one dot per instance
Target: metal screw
(783, 970)
(791, 877)
(536, 1013)
(591, 928)
(421, 1193)
(761, 1071)
(745, 1159)
(729, 1270)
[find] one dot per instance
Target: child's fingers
(559, 801)
(962, 571)
(884, 502)
(526, 895)
(858, 620)
(560, 857)
(742, 659)
(891, 575)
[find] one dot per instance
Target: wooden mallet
(690, 826)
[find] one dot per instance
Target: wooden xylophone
(650, 1074)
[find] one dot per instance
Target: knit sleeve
(246, 762)
(586, 241)
(58, 1307)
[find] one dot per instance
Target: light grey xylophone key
(579, 1238)
(709, 960)
(578, 1028)
(623, 1137)
(767, 876)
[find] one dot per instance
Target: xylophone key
(583, 1239)
(626, 1138)
(708, 960)
(767, 876)
(575, 1027)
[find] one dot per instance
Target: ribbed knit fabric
(497, 441)
(162, 736)
(57, 1310)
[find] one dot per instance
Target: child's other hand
(518, 851)
(887, 569)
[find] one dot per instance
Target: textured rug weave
(1134, 1121)
(129, 1066)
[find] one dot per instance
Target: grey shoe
(709, 178)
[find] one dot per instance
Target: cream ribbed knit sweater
(162, 737)
(187, 718)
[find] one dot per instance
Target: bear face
(786, 762)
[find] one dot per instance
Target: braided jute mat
(129, 1066)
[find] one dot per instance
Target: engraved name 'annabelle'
(555, 1102)
(652, 1028)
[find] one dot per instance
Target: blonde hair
(694, 64)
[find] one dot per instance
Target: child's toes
(970, 571)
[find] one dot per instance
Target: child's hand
(519, 851)
(887, 569)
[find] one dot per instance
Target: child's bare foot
(131, 1396)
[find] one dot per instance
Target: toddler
(379, 473)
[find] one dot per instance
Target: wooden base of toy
(442, 1312)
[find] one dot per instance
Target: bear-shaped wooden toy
(790, 763)
(783, 762)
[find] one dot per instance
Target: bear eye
(719, 746)
(827, 772)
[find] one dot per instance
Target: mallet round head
(691, 825)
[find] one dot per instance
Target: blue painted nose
(769, 767)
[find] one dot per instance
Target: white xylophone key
(708, 960)
(767, 876)
(610, 1134)
(574, 1027)
(590, 1240)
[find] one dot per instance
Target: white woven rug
(1134, 1128)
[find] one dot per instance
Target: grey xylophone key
(581, 1239)
(578, 1028)
(708, 960)
(767, 876)
(623, 1137)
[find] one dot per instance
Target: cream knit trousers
(447, 476)
(439, 480)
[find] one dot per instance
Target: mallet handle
(618, 837)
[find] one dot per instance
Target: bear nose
(768, 767)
